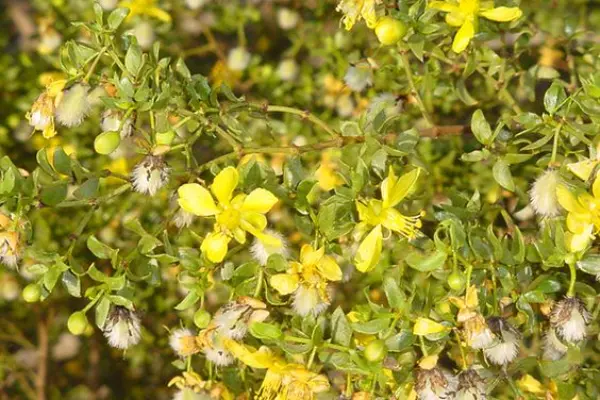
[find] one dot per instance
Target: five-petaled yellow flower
(145, 7)
(354, 10)
(308, 280)
(282, 381)
(464, 14)
(583, 218)
(381, 213)
(234, 215)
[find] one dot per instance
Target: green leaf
(182, 69)
(277, 262)
(62, 162)
(99, 249)
(341, 332)
(502, 175)
(120, 301)
(102, 312)
(54, 194)
(116, 17)
(480, 128)
(335, 217)
(189, 300)
(393, 293)
(372, 327)
(262, 330)
(554, 96)
(426, 262)
(133, 59)
(72, 283)
(400, 341)
(590, 264)
(88, 190)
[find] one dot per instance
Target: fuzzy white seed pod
(238, 59)
(74, 105)
(358, 77)
(554, 349)
(506, 347)
(183, 343)
(434, 384)
(112, 120)
(195, 4)
(569, 318)
(189, 394)
(471, 386)
(287, 70)
(122, 328)
(543, 194)
(218, 356)
(150, 175)
(287, 19)
(307, 300)
(262, 251)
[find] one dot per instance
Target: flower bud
(107, 142)
(375, 351)
(73, 106)
(77, 323)
(390, 30)
(31, 293)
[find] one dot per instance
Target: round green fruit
(31, 293)
(107, 142)
(456, 281)
(77, 323)
(390, 30)
(202, 318)
(375, 351)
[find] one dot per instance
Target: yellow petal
(214, 246)
(393, 190)
(596, 188)
(455, 19)
(329, 269)
(443, 6)
(262, 358)
(369, 251)
(579, 241)
(195, 199)
(318, 383)
(531, 385)
(259, 200)
(310, 256)
(428, 362)
(425, 326)
(471, 299)
(158, 14)
(582, 169)
(269, 240)
(224, 184)
(395, 221)
(284, 283)
(258, 221)
(463, 36)
(368, 13)
(502, 14)
(567, 200)
(578, 223)
(49, 131)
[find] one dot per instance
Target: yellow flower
(41, 116)
(308, 280)
(583, 218)
(464, 14)
(378, 213)
(327, 175)
(145, 7)
(530, 385)
(234, 215)
(282, 381)
(354, 10)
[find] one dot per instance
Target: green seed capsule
(31, 293)
(456, 281)
(375, 351)
(107, 142)
(77, 323)
(201, 318)
(165, 138)
(390, 30)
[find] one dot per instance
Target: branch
(42, 371)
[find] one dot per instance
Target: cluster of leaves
(325, 120)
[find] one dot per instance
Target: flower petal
(567, 200)
(329, 269)
(284, 283)
(310, 256)
(158, 14)
(197, 200)
(426, 326)
(596, 188)
(443, 6)
(259, 200)
(463, 36)
(393, 189)
(369, 251)
(502, 14)
(262, 358)
(215, 246)
(224, 184)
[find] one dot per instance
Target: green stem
(311, 358)
(259, 283)
(555, 144)
(94, 64)
(94, 301)
(423, 347)
(573, 271)
(305, 115)
(413, 88)
(79, 230)
(77, 203)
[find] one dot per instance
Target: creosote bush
(289, 200)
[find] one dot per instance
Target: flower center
(229, 218)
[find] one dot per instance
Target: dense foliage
(285, 200)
